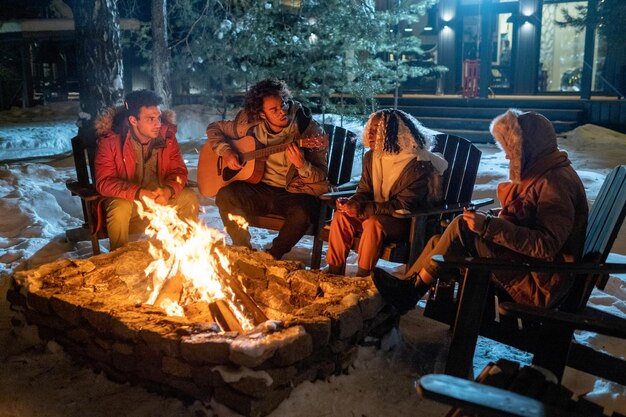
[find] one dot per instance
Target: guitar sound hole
(229, 173)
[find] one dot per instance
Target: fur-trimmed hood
(113, 119)
(525, 137)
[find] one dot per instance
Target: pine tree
(333, 54)
(609, 19)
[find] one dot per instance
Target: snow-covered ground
(40, 380)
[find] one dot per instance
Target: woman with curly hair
(399, 173)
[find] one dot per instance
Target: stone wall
(94, 309)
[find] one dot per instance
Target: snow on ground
(40, 380)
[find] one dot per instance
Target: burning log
(171, 289)
(225, 317)
(249, 307)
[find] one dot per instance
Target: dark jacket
(409, 192)
(115, 159)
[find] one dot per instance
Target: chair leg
(95, 243)
(316, 254)
(554, 353)
(417, 235)
(467, 324)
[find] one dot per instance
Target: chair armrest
(336, 194)
(350, 185)
(590, 319)
(490, 264)
(477, 398)
(443, 209)
(86, 192)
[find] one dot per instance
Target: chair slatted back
(342, 144)
(84, 162)
(463, 159)
(605, 219)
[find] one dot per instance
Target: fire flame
(191, 251)
(240, 221)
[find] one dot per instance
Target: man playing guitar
(291, 179)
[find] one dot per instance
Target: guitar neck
(265, 152)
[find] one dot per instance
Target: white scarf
(387, 168)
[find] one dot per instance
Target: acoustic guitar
(213, 174)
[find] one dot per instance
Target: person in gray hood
(543, 217)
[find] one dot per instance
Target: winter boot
(403, 294)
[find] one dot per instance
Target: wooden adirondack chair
(342, 145)
(463, 159)
(84, 187)
(545, 332)
(505, 389)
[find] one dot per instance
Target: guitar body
(213, 175)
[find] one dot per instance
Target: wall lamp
(532, 19)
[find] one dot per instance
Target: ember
(240, 326)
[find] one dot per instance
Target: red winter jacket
(115, 160)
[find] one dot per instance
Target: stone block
(158, 338)
(346, 320)
(252, 351)
(294, 351)
(51, 322)
(305, 284)
(79, 335)
(318, 327)
(247, 381)
(176, 367)
(97, 353)
(206, 348)
(371, 305)
(123, 362)
(16, 299)
(250, 406)
(67, 307)
(125, 325)
(100, 320)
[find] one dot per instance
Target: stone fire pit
(93, 308)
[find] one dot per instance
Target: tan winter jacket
(544, 207)
(219, 133)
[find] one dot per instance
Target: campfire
(190, 267)
(186, 314)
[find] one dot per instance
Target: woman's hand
(348, 207)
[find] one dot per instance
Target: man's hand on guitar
(231, 159)
(295, 155)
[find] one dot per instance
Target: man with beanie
(543, 216)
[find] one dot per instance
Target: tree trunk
(99, 61)
(160, 52)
